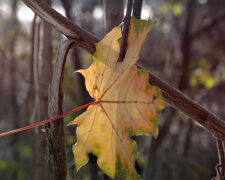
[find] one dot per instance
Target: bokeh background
(185, 48)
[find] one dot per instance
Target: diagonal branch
(171, 95)
(189, 107)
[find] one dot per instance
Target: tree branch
(171, 95)
(56, 134)
(125, 31)
(192, 109)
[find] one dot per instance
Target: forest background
(185, 48)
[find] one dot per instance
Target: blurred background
(185, 48)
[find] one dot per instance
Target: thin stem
(125, 32)
(221, 166)
(47, 121)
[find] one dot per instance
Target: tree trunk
(13, 82)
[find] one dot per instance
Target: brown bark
(56, 134)
(55, 130)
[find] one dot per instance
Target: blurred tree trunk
(29, 101)
(150, 167)
(82, 96)
(43, 77)
(186, 42)
(13, 80)
(113, 13)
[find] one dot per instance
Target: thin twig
(221, 165)
(125, 31)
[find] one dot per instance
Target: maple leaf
(127, 105)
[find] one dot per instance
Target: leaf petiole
(47, 121)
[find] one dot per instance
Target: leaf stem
(47, 121)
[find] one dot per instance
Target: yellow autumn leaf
(127, 105)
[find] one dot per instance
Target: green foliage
(175, 8)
